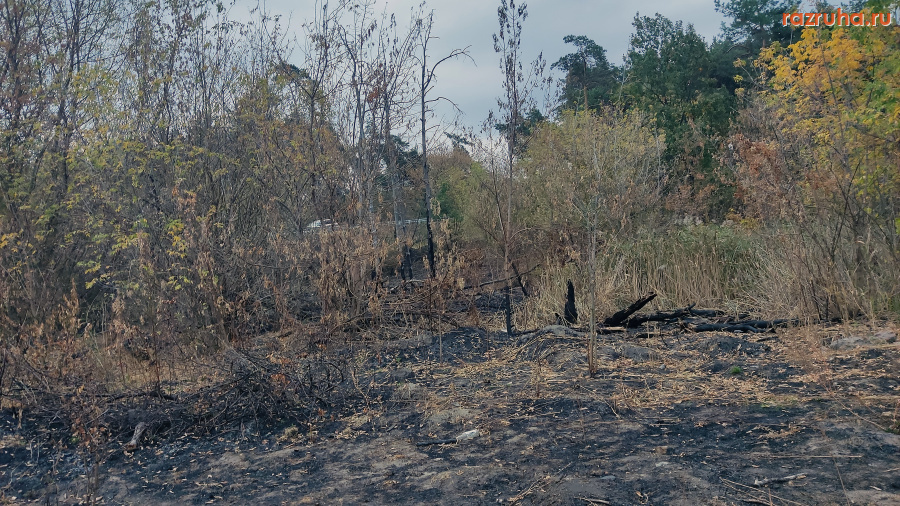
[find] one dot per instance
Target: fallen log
(745, 326)
(625, 319)
(709, 313)
(770, 324)
(727, 327)
(623, 315)
(566, 331)
(660, 316)
(718, 313)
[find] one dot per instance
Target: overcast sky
(461, 23)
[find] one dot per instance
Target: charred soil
(803, 416)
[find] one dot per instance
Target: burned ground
(671, 418)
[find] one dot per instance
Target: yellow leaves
(122, 242)
(6, 239)
(92, 266)
(175, 230)
(819, 76)
(838, 93)
(175, 227)
(177, 283)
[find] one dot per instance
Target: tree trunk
(426, 176)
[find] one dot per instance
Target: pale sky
(461, 23)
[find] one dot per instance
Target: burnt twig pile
(696, 320)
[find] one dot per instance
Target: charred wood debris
(688, 318)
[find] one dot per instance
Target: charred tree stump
(570, 313)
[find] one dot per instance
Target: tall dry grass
(770, 273)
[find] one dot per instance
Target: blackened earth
(669, 418)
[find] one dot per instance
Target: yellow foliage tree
(821, 151)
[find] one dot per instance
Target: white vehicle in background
(329, 225)
(321, 225)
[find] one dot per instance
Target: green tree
(590, 79)
(528, 122)
(672, 76)
(756, 23)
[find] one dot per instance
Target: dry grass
(691, 268)
(739, 270)
(548, 367)
(88, 376)
(837, 373)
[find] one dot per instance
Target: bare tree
(357, 41)
(425, 85)
(23, 96)
(395, 74)
(319, 84)
(517, 86)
